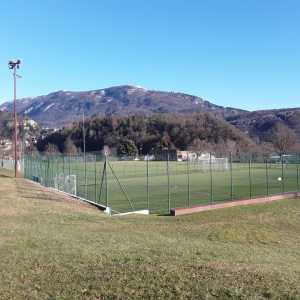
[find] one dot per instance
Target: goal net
(66, 183)
(205, 162)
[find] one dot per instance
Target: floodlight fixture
(14, 64)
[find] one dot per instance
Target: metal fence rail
(127, 184)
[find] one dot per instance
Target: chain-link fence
(168, 181)
(9, 164)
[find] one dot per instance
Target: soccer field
(160, 185)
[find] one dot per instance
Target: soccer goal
(207, 162)
(66, 183)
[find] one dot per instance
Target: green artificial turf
(185, 186)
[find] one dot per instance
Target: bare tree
(69, 147)
(283, 139)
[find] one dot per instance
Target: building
(186, 155)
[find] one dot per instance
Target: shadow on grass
(164, 215)
(4, 176)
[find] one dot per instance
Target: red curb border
(257, 200)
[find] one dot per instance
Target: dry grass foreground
(54, 248)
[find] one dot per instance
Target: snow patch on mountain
(48, 107)
(28, 110)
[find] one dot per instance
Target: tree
(69, 147)
(51, 148)
(283, 138)
(127, 147)
(126, 134)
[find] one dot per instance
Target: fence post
(69, 160)
(45, 172)
(106, 181)
(298, 186)
(231, 177)
(211, 179)
(57, 172)
(95, 178)
(147, 171)
(30, 166)
(267, 177)
(39, 168)
(250, 178)
(27, 166)
(85, 177)
(35, 163)
(168, 175)
(34, 170)
(24, 166)
(48, 172)
(64, 165)
(52, 171)
(282, 175)
(188, 181)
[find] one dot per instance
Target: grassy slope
(53, 249)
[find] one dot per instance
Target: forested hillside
(144, 134)
(259, 125)
(6, 124)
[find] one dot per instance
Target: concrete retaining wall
(257, 200)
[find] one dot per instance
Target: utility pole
(14, 65)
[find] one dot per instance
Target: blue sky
(240, 53)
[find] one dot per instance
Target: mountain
(64, 107)
(259, 124)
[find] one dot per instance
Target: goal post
(205, 162)
(66, 183)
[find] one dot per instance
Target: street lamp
(14, 65)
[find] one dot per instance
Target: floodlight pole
(14, 65)
(15, 123)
